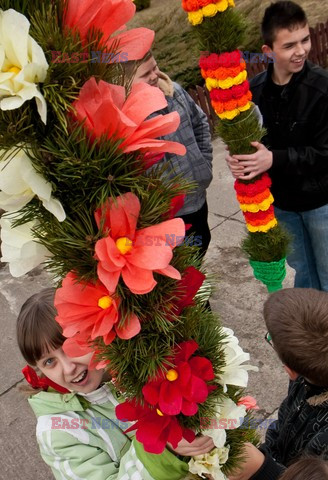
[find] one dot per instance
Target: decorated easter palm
(221, 30)
(75, 145)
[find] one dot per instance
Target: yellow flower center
(172, 375)
(124, 244)
(105, 302)
(12, 69)
(159, 412)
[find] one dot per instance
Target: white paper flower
(234, 372)
(210, 463)
(20, 182)
(228, 416)
(19, 247)
(22, 64)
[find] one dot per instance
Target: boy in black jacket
(297, 321)
(293, 98)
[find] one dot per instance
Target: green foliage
(26, 7)
(141, 4)
(240, 132)
(267, 247)
(222, 33)
(236, 439)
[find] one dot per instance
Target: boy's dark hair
(297, 320)
(37, 330)
(308, 468)
(279, 15)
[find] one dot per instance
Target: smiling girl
(77, 430)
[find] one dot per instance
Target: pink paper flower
(249, 402)
(108, 16)
(87, 311)
(106, 111)
(134, 254)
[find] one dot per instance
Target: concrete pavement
(238, 299)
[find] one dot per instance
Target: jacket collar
(165, 84)
(51, 402)
(296, 78)
(315, 396)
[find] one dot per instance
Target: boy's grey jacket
(302, 427)
(194, 133)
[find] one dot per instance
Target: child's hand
(253, 462)
(199, 446)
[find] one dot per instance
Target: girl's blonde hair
(37, 330)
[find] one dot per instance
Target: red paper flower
(182, 387)
(260, 217)
(236, 91)
(87, 311)
(106, 111)
(187, 288)
(254, 188)
(135, 254)
(176, 205)
(226, 60)
(154, 429)
(108, 16)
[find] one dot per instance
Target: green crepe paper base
(271, 274)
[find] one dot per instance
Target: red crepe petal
(188, 434)
(175, 433)
(189, 408)
(202, 367)
(170, 398)
(176, 204)
(184, 372)
(151, 393)
(189, 285)
(185, 350)
(196, 391)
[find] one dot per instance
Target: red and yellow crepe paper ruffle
(255, 201)
(198, 9)
(225, 77)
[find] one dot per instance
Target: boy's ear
(267, 50)
(291, 373)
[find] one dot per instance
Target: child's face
(148, 73)
(70, 373)
(291, 48)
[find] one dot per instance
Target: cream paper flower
(228, 416)
(234, 372)
(22, 64)
(210, 463)
(20, 182)
(19, 247)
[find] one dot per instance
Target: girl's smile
(71, 373)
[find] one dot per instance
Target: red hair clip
(41, 382)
